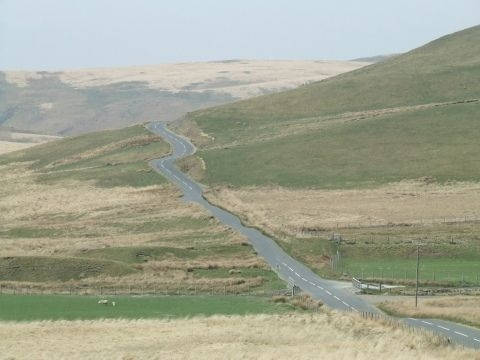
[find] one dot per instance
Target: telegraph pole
(416, 283)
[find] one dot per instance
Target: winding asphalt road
(283, 264)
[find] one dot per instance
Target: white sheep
(103, 302)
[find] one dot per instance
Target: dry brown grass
(9, 146)
(78, 207)
(243, 78)
(464, 309)
(410, 202)
(88, 217)
(313, 336)
(13, 141)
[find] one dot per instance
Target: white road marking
(354, 309)
(336, 297)
(296, 274)
(311, 283)
(344, 303)
(443, 327)
(459, 333)
(412, 319)
(304, 279)
(328, 292)
(426, 322)
(476, 339)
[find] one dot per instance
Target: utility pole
(416, 283)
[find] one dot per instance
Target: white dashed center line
(426, 322)
(443, 327)
(459, 333)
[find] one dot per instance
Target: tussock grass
(462, 309)
(294, 211)
(312, 336)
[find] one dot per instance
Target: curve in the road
(283, 264)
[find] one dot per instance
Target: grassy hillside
(439, 143)
(378, 124)
(109, 158)
(444, 70)
(89, 212)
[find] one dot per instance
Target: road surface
(283, 264)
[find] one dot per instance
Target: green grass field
(440, 143)
(442, 271)
(55, 307)
(450, 253)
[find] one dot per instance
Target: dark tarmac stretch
(284, 265)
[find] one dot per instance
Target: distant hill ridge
(78, 101)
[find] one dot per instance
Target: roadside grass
(57, 307)
(271, 280)
(321, 335)
(459, 309)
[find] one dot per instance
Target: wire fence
(383, 223)
(131, 290)
(395, 275)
